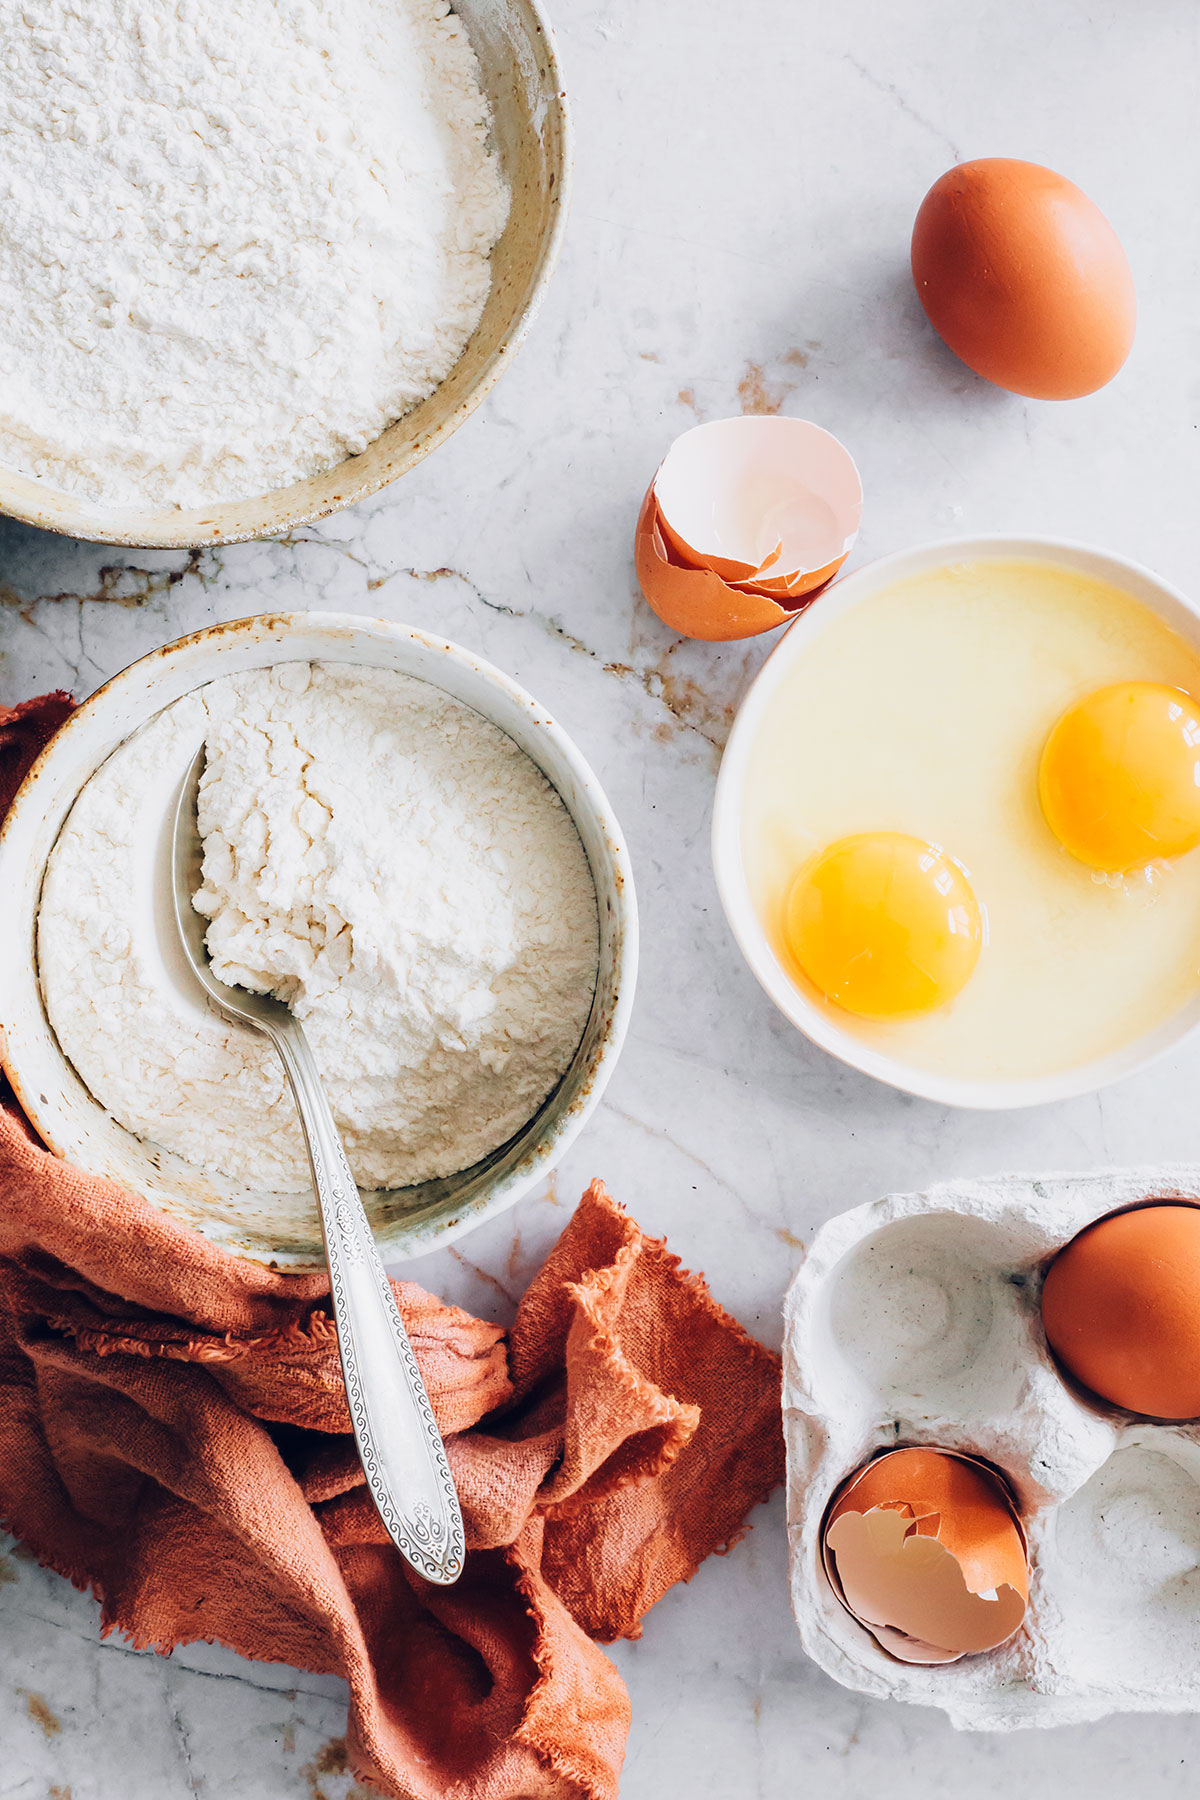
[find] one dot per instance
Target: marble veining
(746, 180)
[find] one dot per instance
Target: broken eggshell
(923, 1547)
(745, 520)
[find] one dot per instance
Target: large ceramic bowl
(520, 74)
(277, 1228)
(740, 909)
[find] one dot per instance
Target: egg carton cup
(916, 1320)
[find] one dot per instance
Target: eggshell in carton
(923, 1547)
(915, 1320)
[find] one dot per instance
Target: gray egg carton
(915, 1320)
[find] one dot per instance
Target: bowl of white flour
(258, 259)
(399, 843)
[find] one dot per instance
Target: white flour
(237, 237)
(384, 859)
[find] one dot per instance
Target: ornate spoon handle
(401, 1448)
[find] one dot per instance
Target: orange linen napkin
(174, 1435)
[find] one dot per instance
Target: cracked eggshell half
(744, 522)
(924, 1549)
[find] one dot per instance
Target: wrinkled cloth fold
(174, 1436)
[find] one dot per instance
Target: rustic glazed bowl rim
(27, 500)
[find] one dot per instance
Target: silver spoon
(402, 1453)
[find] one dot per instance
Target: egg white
(924, 710)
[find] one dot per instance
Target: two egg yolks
(886, 925)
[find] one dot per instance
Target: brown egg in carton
(916, 1321)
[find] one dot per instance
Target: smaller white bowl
(282, 1229)
(740, 910)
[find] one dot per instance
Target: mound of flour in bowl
(237, 237)
(381, 857)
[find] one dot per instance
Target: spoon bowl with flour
(403, 847)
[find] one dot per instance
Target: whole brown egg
(1024, 278)
(1121, 1309)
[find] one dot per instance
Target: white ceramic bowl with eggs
(817, 1023)
(281, 1229)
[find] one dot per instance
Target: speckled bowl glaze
(917, 1320)
(515, 47)
(741, 909)
(276, 1228)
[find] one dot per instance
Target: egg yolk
(1120, 776)
(884, 924)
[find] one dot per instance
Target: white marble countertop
(747, 175)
